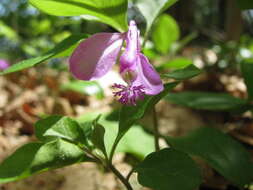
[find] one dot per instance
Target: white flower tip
(132, 23)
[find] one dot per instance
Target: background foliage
(186, 41)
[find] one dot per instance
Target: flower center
(129, 94)
(129, 76)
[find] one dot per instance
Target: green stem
(120, 176)
(156, 130)
(114, 146)
(96, 159)
(129, 174)
(145, 40)
(108, 165)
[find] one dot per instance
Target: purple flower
(95, 56)
(4, 64)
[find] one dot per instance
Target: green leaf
(130, 114)
(128, 143)
(169, 169)
(165, 25)
(8, 32)
(150, 9)
(178, 63)
(37, 157)
(140, 149)
(208, 101)
(84, 87)
(59, 127)
(55, 52)
(13, 167)
(182, 74)
(247, 70)
(56, 154)
(183, 42)
(112, 12)
(97, 137)
(245, 4)
(220, 151)
(151, 53)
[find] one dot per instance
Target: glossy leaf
(247, 70)
(220, 151)
(58, 127)
(97, 137)
(55, 52)
(112, 12)
(37, 157)
(84, 87)
(169, 169)
(208, 101)
(56, 154)
(150, 9)
(182, 74)
(165, 33)
(14, 167)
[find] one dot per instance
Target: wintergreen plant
(64, 141)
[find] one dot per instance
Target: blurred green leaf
(177, 63)
(220, 151)
(54, 127)
(37, 157)
(128, 143)
(55, 52)
(166, 32)
(151, 53)
(207, 101)
(169, 169)
(182, 74)
(84, 87)
(184, 41)
(112, 12)
(150, 9)
(247, 70)
(245, 4)
(41, 26)
(7, 31)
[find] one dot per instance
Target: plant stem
(120, 176)
(129, 174)
(114, 146)
(96, 159)
(156, 130)
(109, 165)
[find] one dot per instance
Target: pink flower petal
(4, 64)
(147, 77)
(128, 58)
(95, 56)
